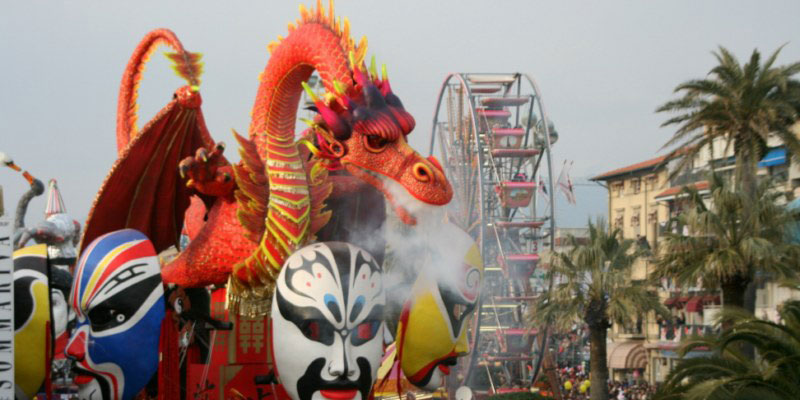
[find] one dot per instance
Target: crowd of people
(639, 390)
(576, 386)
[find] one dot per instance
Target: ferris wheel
(494, 140)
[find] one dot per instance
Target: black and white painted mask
(327, 322)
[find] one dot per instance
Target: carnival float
(326, 264)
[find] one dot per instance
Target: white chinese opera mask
(119, 300)
(327, 322)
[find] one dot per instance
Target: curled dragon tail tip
(188, 66)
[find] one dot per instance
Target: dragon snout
(427, 181)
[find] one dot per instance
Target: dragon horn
(352, 58)
(338, 87)
(310, 92)
(372, 70)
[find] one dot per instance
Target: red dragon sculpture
(263, 208)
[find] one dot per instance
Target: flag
(564, 183)
(542, 187)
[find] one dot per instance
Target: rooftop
(638, 167)
(700, 186)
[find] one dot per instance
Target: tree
(728, 243)
(729, 374)
(742, 104)
(593, 286)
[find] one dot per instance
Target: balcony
(677, 332)
(688, 177)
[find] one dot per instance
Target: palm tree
(740, 235)
(593, 286)
(729, 374)
(742, 104)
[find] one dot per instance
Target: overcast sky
(603, 67)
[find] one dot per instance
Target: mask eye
(364, 332)
(375, 143)
(311, 330)
(103, 317)
(458, 311)
(178, 306)
(318, 330)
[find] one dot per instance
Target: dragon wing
(144, 190)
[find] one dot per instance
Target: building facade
(641, 200)
(633, 207)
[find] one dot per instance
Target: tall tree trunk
(733, 292)
(747, 174)
(740, 292)
(598, 363)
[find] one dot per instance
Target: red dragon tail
(187, 65)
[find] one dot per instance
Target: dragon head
(362, 128)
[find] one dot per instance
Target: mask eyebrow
(375, 314)
(126, 274)
(296, 314)
(307, 266)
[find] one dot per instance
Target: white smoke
(433, 247)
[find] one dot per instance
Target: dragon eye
(375, 143)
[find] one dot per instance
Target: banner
(6, 310)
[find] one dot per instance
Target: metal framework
(493, 135)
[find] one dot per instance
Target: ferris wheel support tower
(494, 135)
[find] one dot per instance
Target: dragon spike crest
(369, 106)
(339, 26)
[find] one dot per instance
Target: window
(616, 188)
(619, 220)
(652, 213)
(651, 182)
(637, 211)
(636, 185)
(779, 173)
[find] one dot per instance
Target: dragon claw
(183, 168)
(202, 154)
(205, 173)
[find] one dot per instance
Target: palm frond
(728, 374)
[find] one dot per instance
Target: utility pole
(2, 208)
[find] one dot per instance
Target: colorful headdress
(369, 106)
